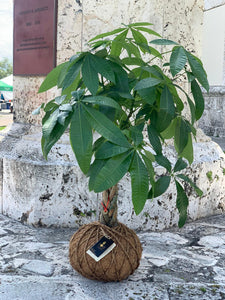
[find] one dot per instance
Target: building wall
(213, 119)
(214, 44)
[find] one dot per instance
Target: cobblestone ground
(187, 263)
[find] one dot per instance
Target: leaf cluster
(117, 90)
(6, 68)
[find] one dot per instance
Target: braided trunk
(108, 214)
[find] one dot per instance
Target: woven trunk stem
(108, 214)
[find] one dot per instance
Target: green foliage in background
(117, 90)
(6, 68)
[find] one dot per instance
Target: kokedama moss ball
(118, 264)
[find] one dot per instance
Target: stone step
(185, 264)
(55, 192)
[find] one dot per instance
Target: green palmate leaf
(108, 149)
(188, 150)
(59, 100)
(150, 31)
(161, 185)
(155, 71)
(75, 84)
(109, 112)
(154, 52)
(113, 170)
(149, 155)
(133, 61)
(166, 102)
(169, 132)
(117, 43)
(192, 184)
(98, 44)
(149, 166)
(178, 60)
(163, 161)
(103, 67)
(122, 81)
(190, 76)
(139, 39)
(198, 70)
(140, 24)
(154, 139)
(199, 100)
(48, 141)
(77, 56)
(146, 83)
(102, 53)
(161, 120)
(66, 107)
(180, 165)
(131, 49)
(90, 75)
(139, 183)
(98, 143)
(72, 74)
(190, 103)
(163, 42)
(62, 74)
(51, 79)
(37, 110)
(105, 127)
(81, 138)
(102, 100)
(146, 48)
(148, 95)
(51, 105)
(77, 95)
(136, 134)
(181, 204)
(95, 168)
(50, 123)
(192, 110)
(102, 35)
(181, 135)
(62, 117)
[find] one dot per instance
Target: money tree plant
(120, 102)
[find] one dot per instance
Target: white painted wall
(213, 53)
(213, 3)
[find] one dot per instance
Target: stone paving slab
(187, 263)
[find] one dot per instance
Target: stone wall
(213, 118)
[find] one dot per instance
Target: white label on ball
(101, 248)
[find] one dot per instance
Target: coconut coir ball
(117, 264)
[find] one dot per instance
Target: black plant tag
(101, 248)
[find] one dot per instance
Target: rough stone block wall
(213, 119)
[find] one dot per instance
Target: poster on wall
(34, 41)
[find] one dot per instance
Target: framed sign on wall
(34, 42)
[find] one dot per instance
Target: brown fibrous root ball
(117, 265)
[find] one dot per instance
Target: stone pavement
(187, 263)
(6, 117)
